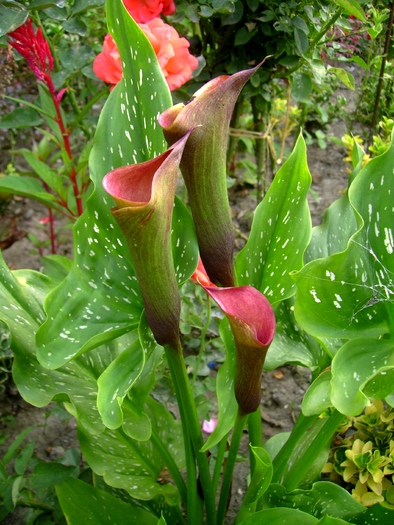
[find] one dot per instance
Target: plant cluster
(362, 455)
(92, 333)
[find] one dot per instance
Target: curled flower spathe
(203, 167)
(252, 322)
(144, 196)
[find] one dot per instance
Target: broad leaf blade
(100, 298)
(280, 231)
(82, 503)
(361, 364)
(348, 293)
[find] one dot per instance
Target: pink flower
(107, 65)
(172, 52)
(144, 11)
(209, 426)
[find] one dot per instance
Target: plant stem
(191, 472)
(203, 341)
(219, 463)
(281, 460)
(189, 416)
(259, 151)
(171, 465)
(255, 427)
(228, 473)
(304, 463)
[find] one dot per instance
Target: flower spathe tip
(253, 324)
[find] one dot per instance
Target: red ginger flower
(35, 49)
(172, 52)
(144, 11)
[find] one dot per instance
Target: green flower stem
(192, 427)
(301, 467)
(171, 465)
(203, 341)
(191, 501)
(282, 458)
(219, 463)
(255, 435)
(228, 473)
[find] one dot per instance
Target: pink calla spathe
(144, 196)
(252, 322)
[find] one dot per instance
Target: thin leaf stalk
(260, 151)
(282, 458)
(222, 447)
(171, 465)
(189, 415)
(301, 467)
(255, 427)
(231, 460)
(203, 341)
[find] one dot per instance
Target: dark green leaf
(280, 517)
(49, 474)
(323, 498)
(11, 18)
(301, 86)
(82, 503)
(301, 40)
(21, 118)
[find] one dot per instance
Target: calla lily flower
(203, 167)
(252, 322)
(144, 197)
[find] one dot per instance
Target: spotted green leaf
(350, 293)
(317, 398)
(291, 344)
(83, 503)
(323, 498)
(280, 517)
(100, 298)
(362, 368)
(280, 231)
(134, 465)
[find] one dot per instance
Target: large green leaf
(280, 517)
(82, 503)
(350, 293)
(361, 369)
(133, 465)
(291, 344)
(100, 298)
(323, 498)
(280, 231)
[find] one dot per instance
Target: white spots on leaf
(388, 240)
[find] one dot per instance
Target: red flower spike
(203, 167)
(253, 325)
(144, 196)
(35, 49)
